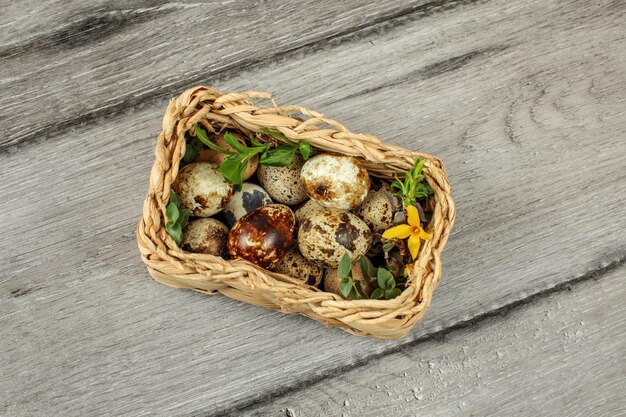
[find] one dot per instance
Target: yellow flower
(413, 231)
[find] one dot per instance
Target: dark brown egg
(264, 236)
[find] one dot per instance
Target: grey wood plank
(84, 329)
(88, 60)
(560, 356)
(24, 21)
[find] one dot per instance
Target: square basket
(243, 281)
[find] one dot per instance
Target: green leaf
(204, 138)
(278, 157)
(359, 289)
(345, 285)
(233, 168)
(174, 198)
(366, 267)
(257, 143)
(383, 278)
(388, 245)
(175, 231)
(305, 149)
(172, 212)
(353, 294)
(345, 266)
(230, 139)
(276, 135)
(191, 154)
(377, 293)
(184, 217)
(392, 293)
(391, 283)
(192, 150)
(419, 165)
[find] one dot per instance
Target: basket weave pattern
(243, 281)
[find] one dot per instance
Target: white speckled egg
(377, 210)
(332, 280)
(205, 236)
(335, 181)
(283, 183)
(297, 266)
(202, 189)
(306, 210)
(328, 234)
(244, 201)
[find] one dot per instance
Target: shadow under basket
(243, 281)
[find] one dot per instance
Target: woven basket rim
(243, 281)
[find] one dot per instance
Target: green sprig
(176, 217)
(386, 286)
(237, 161)
(413, 187)
(192, 150)
(346, 283)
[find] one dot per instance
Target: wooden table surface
(524, 101)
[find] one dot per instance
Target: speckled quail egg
(328, 234)
(335, 181)
(297, 266)
(215, 157)
(331, 281)
(202, 189)
(283, 183)
(205, 236)
(264, 236)
(306, 210)
(377, 210)
(244, 201)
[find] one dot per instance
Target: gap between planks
(113, 106)
(473, 323)
(559, 355)
(95, 256)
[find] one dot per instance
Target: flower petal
(424, 235)
(413, 216)
(414, 245)
(398, 232)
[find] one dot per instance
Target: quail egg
(263, 236)
(328, 234)
(205, 236)
(215, 157)
(202, 189)
(335, 181)
(283, 183)
(244, 201)
(306, 210)
(332, 279)
(377, 210)
(297, 266)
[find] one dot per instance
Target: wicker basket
(243, 281)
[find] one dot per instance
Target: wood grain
(523, 101)
(561, 356)
(87, 61)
